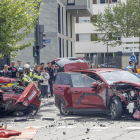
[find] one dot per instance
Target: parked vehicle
(14, 96)
(63, 63)
(110, 65)
(105, 90)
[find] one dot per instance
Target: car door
(83, 96)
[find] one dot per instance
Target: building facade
(84, 29)
(58, 18)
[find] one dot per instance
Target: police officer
(28, 71)
(36, 74)
(23, 77)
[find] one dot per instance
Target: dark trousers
(44, 91)
(51, 86)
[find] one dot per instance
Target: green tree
(118, 20)
(17, 20)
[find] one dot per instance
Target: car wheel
(116, 109)
(62, 111)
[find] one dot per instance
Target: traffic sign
(47, 40)
(133, 58)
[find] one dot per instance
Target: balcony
(79, 8)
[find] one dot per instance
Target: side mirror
(94, 85)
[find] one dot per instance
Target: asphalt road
(76, 127)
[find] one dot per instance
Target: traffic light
(41, 36)
(35, 51)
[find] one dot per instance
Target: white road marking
(36, 127)
(133, 127)
(67, 127)
(98, 128)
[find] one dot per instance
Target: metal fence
(113, 62)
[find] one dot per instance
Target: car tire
(62, 112)
(116, 109)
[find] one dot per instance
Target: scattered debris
(102, 125)
(49, 119)
(20, 119)
(64, 133)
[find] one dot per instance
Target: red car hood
(75, 66)
(6, 80)
(136, 84)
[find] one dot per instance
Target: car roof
(101, 70)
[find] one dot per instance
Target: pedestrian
(51, 74)
(132, 70)
(42, 67)
(131, 65)
(53, 66)
(44, 85)
(13, 69)
(6, 72)
(23, 77)
(28, 63)
(92, 66)
(55, 71)
(138, 69)
(98, 66)
(18, 66)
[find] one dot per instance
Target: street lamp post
(107, 40)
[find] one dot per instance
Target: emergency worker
(36, 74)
(28, 71)
(23, 77)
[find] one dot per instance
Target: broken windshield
(116, 76)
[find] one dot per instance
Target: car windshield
(116, 76)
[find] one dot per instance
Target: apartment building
(84, 29)
(58, 18)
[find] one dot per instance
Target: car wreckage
(104, 90)
(14, 96)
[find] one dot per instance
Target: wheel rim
(63, 111)
(113, 110)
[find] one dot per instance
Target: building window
(84, 37)
(94, 1)
(77, 37)
(63, 47)
(113, 1)
(102, 1)
(62, 22)
(70, 2)
(59, 41)
(71, 24)
(88, 3)
(84, 19)
(71, 49)
(59, 20)
(67, 47)
(66, 24)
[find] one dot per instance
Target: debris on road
(20, 119)
(49, 119)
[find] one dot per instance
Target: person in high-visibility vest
(28, 71)
(23, 77)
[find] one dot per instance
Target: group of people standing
(41, 75)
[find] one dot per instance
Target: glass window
(84, 37)
(58, 80)
(102, 1)
(65, 79)
(59, 22)
(116, 76)
(81, 80)
(71, 2)
(84, 19)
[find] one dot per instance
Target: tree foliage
(118, 20)
(17, 19)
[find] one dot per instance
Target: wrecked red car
(105, 90)
(14, 96)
